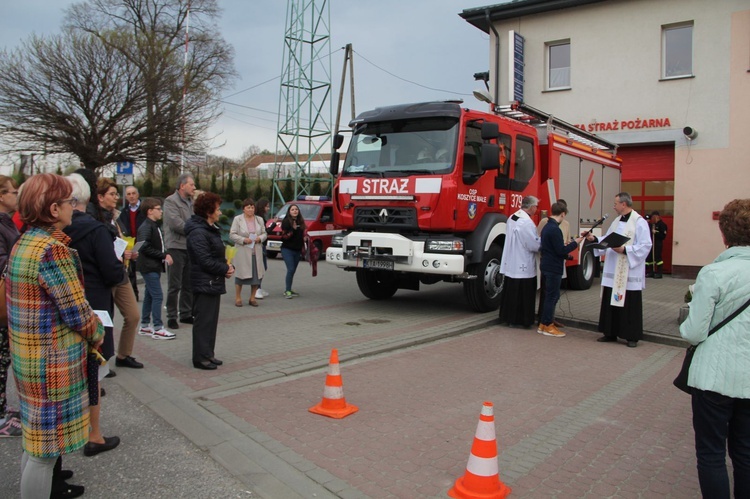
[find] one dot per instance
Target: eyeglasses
(9, 192)
(114, 194)
(73, 202)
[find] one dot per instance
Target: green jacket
(722, 362)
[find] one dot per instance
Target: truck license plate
(378, 264)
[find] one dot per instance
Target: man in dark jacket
(130, 220)
(178, 208)
(658, 234)
(554, 250)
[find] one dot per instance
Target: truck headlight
(337, 240)
(445, 246)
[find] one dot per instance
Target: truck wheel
(377, 284)
(271, 254)
(581, 276)
(483, 293)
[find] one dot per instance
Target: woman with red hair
(51, 328)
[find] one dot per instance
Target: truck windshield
(404, 147)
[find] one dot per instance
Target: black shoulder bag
(681, 381)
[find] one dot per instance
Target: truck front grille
(390, 218)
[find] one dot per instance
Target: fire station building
(668, 81)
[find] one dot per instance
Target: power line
(250, 88)
(276, 114)
(407, 80)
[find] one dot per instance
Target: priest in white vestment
(624, 275)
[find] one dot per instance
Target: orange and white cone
(334, 404)
(481, 480)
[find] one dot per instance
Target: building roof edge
(516, 8)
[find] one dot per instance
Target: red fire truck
(426, 189)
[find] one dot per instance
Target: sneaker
(146, 331)
(12, 413)
(288, 295)
(259, 295)
(264, 292)
(294, 293)
(11, 428)
(163, 334)
(551, 330)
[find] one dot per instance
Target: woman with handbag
(719, 374)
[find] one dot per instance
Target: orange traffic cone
(481, 480)
(334, 404)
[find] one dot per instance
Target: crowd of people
(68, 266)
(70, 258)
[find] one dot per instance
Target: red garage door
(648, 175)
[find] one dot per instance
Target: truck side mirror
(338, 141)
(490, 131)
(490, 156)
(334, 167)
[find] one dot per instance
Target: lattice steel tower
(305, 110)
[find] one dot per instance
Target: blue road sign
(124, 167)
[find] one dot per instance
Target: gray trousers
(36, 476)
(179, 285)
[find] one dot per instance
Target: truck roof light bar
(313, 198)
(534, 117)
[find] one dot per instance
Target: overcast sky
(401, 47)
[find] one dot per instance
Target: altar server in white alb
(624, 276)
(519, 266)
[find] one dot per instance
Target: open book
(613, 240)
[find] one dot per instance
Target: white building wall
(616, 50)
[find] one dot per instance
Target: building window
(558, 65)
(677, 50)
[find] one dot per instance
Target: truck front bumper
(392, 252)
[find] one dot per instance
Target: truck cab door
(475, 186)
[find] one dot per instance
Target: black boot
(60, 489)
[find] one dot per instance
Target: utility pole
(348, 57)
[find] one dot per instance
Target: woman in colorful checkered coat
(51, 327)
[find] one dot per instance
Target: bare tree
(71, 94)
(182, 88)
(249, 152)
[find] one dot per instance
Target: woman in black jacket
(293, 240)
(208, 271)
